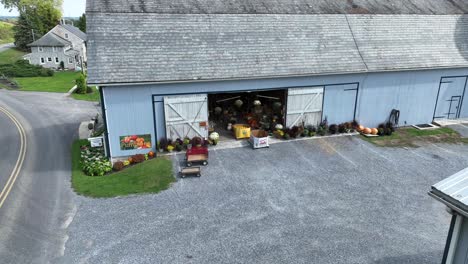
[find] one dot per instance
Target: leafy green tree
(35, 21)
(37, 17)
(81, 23)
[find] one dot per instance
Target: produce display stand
(195, 171)
(197, 155)
(259, 139)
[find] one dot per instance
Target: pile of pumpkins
(367, 131)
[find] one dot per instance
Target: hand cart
(192, 171)
(197, 155)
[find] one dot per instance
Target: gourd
(367, 131)
(374, 131)
(360, 128)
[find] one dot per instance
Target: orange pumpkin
(374, 131)
(360, 128)
(151, 154)
(130, 160)
(367, 131)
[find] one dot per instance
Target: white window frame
(42, 60)
(57, 61)
(54, 49)
(41, 49)
(49, 59)
(70, 60)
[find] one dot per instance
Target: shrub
(93, 161)
(138, 158)
(22, 68)
(333, 129)
(341, 128)
(81, 87)
(305, 133)
(118, 166)
(163, 143)
(381, 132)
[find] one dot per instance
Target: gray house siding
(48, 52)
(77, 43)
(129, 109)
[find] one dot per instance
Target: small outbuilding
(453, 192)
(175, 69)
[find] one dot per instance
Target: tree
(20, 4)
(36, 17)
(81, 23)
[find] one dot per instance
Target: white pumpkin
(238, 103)
(218, 110)
(279, 127)
(257, 103)
(214, 136)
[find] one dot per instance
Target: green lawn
(94, 96)
(412, 137)
(10, 56)
(61, 82)
(6, 33)
(149, 177)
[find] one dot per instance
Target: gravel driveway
(336, 200)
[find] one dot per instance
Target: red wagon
(197, 155)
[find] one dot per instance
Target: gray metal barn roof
(153, 43)
(427, 7)
(453, 191)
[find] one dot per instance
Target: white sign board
(96, 142)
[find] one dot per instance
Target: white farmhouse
(64, 43)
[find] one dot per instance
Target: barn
(172, 68)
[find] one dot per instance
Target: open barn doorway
(256, 110)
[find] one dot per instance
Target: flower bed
(94, 162)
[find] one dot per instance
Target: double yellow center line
(19, 163)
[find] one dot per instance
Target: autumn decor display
(138, 158)
(118, 166)
(197, 142)
(135, 142)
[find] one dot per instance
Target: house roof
(453, 191)
(50, 40)
(440, 7)
(76, 31)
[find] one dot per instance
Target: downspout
(104, 118)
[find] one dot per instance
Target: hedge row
(22, 68)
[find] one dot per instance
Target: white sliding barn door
(304, 105)
(186, 116)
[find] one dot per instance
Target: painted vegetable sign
(135, 142)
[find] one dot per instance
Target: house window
(66, 35)
(56, 60)
(49, 59)
(53, 49)
(42, 60)
(41, 49)
(70, 60)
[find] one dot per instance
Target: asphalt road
(6, 46)
(9, 144)
(334, 200)
(41, 204)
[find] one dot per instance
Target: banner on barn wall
(135, 142)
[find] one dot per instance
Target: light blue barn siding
(130, 108)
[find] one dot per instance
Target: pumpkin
(279, 127)
(360, 128)
(130, 160)
(367, 131)
(257, 103)
(151, 154)
(374, 131)
(214, 136)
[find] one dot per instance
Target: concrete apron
(231, 144)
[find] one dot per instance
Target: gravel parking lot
(335, 200)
